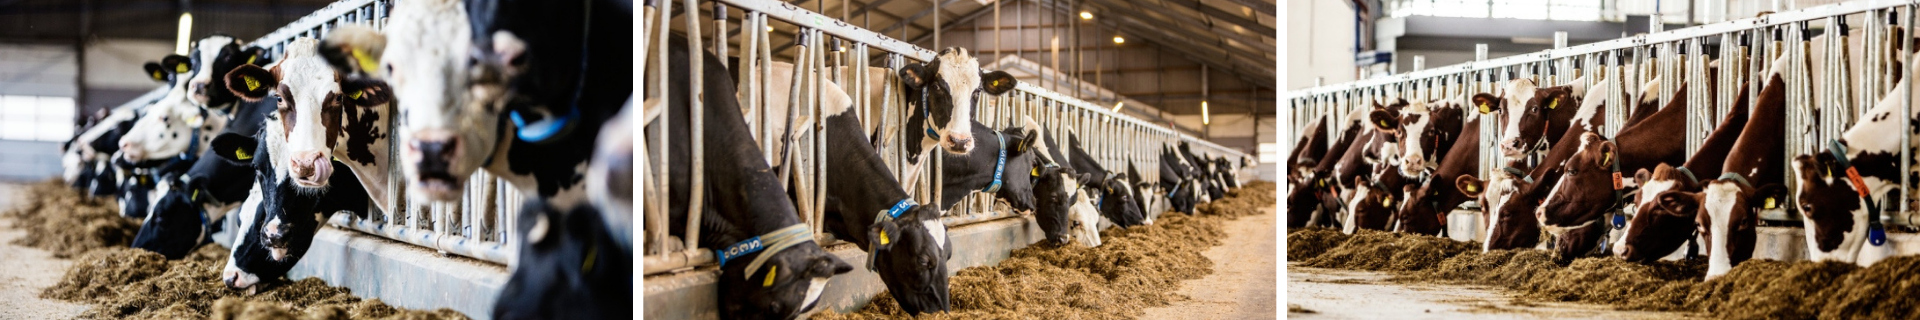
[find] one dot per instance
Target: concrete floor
(1244, 277)
(27, 272)
(1346, 294)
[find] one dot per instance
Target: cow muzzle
(957, 143)
(199, 91)
(131, 151)
(310, 169)
(434, 167)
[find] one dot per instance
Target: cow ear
(1808, 169)
(1679, 202)
(365, 92)
(1827, 164)
(234, 147)
(1769, 197)
(1608, 154)
(1486, 103)
(998, 82)
(1643, 176)
(1383, 120)
(157, 72)
(177, 64)
(914, 75)
(250, 82)
(354, 49)
(826, 266)
(882, 235)
(1555, 98)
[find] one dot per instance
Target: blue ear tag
(1876, 234)
(543, 129)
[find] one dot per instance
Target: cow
(1592, 186)
(257, 261)
(1427, 133)
(941, 93)
(1840, 188)
(1530, 128)
(466, 111)
(1307, 152)
(1375, 199)
(1316, 185)
(1174, 179)
(1116, 200)
(1066, 213)
(907, 243)
(578, 264)
(1653, 231)
(1511, 196)
(321, 121)
(1751, 173)
(193, 206)
(1428, 202)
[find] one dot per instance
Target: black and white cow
(257, 260)
(170, 135)
(321, 122)
(1066, 212)
(941, 93)
(1115, 193)
(1174, 179)
(578, 264)
(191, 209)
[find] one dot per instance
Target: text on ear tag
(770, 270)
(1616, 182)
(1859, 185)
(252, 84)
(241, 154)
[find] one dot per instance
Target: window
(1570, 10)
(36, 118)
(1270, 153)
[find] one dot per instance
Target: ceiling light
(1119, 40)
(186, 29)
(1086, 15)
(1117, 105)
(1205, 119)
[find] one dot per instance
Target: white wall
(1319, 38)
(116, 63)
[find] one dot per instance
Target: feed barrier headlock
(1109, 136)
(1670, 56)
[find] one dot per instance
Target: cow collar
(772, 242)
(1876, 232)
(540, 131)
(1689, 173)
(926, 112)
(999, 164)
(888, 215)
(1523, 174)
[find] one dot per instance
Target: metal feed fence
(1112, 139)
(479, 225)
(1862, 48)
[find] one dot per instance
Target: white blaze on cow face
(1500, 188)
(1514, 102)
(231, 274)
(1353, 208)
(426, 59)
(297, 144)
(1412, 157)
(1649, 192)
(1720, 199)
(961, 74)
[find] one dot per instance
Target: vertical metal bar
(696, 98)
(1906, 110)
(657, 54)
(820, 134)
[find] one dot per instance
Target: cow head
(1509, 201)
(1374, 203)
(1425, 128)
(449, 127)
(1833, 212)
(1526, 128)
(787, 286)
(1585, 192)
(1064, 213)
(1727, 219)
(1423, 212)
(277, 221)
(570, 265)
(213, 57)
(176, 226)
(910, 254)
(308, 124)
(943, 90)
(1118, 203)
(1656, 229)
(172, 127)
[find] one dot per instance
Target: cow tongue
(322, 169)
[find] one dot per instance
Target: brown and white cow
(1725, 206)
(1653, 231)
(1546, 113)
(1830, 199)
(1592, 183)
(1428, 202)
(1426, 132)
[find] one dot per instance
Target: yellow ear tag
(1388, 203)
(1470, 188)
(250, 58)
(1553, 104)
(252, 84)
(366, 62)
(1383, 123)
(180, 68)
(157, 75)
(1036, 172)
(1770, 203)
(196, 195)
(1484, 108)
(883, 238)
(241, 154)
(770, 270)
(1606, 157)
(356, 95)
(1829, 173)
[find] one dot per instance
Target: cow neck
(767, 245)
(862, 182)
(1876, 231)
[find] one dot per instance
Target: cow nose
(436, 156)
(1626, 251)
(199, 88)
(128, 151)
(960, 143)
